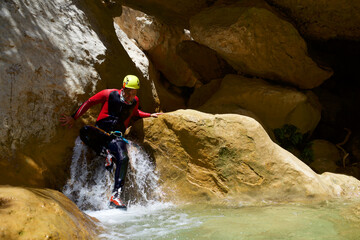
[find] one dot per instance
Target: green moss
(290, 138)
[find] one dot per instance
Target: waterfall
(90, 185)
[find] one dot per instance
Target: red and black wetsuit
(115, 115)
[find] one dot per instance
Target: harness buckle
(116, 133)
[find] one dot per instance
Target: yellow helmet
(131, 81)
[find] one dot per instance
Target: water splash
(90, 184)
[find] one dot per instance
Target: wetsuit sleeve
(136, 112)
(142, 114)
(100, 97)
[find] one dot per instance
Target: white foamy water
(153, 221)
(90, 185)
(90, 188)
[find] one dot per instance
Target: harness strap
(119, 134)
(116, 134)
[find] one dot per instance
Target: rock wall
(55, 55)
(44, 69)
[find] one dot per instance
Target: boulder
(274, 105)
(325, 156)
(160, 41)
(229, 159)
(154, 93)
(323, 20)
(255, 41)
(32, 213)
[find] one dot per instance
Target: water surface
(334, 220)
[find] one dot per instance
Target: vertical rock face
(31, 213)
(47, 58)
(257, 42)
(324, 20)
(43, 66)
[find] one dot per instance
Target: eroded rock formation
(32, 213)
(257, 42)
(324, 20)
(274, 105)
(230, 159)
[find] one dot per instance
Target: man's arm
(100, 97)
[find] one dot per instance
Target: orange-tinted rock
(324, 20)
(31, 213)
(255, 41)
(274, 105)
(229, 159)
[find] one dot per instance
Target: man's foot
(109, 161)
(115, 201)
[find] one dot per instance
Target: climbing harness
(118, 134)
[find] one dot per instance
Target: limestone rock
(47, 60)
(255, 41)
(324, 20)
(31, 213)
(153, 92)
(160, 41)
(203, 61)
(274, 105)
(175, 12)
(203, 93)
(229, 159)
(325, 156)
(143, 28)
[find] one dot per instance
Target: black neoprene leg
(118, 149)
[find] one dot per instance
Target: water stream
(148, 218)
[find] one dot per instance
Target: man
(118, 107)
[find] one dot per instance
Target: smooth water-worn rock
(256, 41)
(324, 20)
(325, 156)
(32, 213)
(230, 159)
(274, 105)
(155, 93)
(203, 93)
(47, 59)
(175, 12)
(160, 41)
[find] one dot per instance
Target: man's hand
(155, 115)
(67, 120)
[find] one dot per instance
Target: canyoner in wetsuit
(105, 138)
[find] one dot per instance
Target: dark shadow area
(5, 203)
(340, 98)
